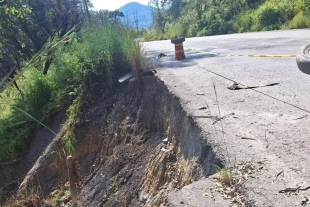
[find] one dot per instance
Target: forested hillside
(212, 17)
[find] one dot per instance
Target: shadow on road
(170, 62)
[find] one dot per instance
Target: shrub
(271, 15)
(303, 5)
(300, 21)
(192, 30)
(177, 29)
(203, 32)
(268, 14)
(243, 22)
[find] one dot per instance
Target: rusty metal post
(73, 191)
(179, 50)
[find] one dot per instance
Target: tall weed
(83, 67)
(25, 112)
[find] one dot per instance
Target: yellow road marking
(237, 55)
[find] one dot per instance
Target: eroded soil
(135, 145)
(141, 146)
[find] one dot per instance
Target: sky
(114, 4)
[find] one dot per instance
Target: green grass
(83, 67)
(56, 199)
(225, 175)
(22, 114)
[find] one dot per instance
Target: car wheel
(303, 59)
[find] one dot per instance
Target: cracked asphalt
(270, 124)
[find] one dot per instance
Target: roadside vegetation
(213, 17)
(56, 77)
(54, 54)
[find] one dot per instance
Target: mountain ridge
(137, 15)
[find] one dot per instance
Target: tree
(115, 15)
(158, 16)
(26, 25)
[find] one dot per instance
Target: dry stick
(204, 117)
(40, 188)
(266, 139)
(73, 191)
(301, 117)
(213, 117)
(208, 108)
(249, 138)
(282, 172)
(294, 189)
(220, 117)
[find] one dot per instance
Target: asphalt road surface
(269, 124)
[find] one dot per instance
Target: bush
(192, 30)
(268, 14)
(300, 21)
(203, 32)
(177, 29)
(287, 11)
(272, 15)
(243, 22)
(303, 5)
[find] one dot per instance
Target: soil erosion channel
(135, 145)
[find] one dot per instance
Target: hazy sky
(114, 4)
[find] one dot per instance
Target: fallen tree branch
(286, 190)
(237, 86)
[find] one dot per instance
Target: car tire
(303, 59)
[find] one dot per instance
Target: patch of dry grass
(228, 182)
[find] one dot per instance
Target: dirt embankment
(13, 173)
(135, 145)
